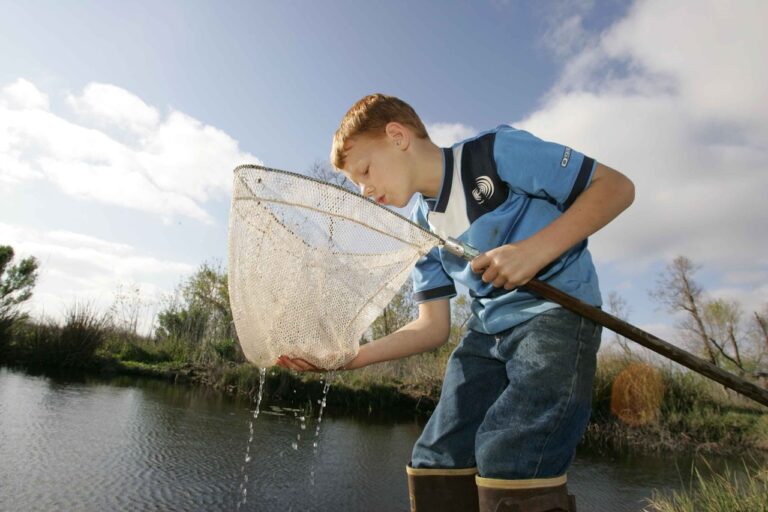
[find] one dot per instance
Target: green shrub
(226, 349)
(70, 346)
(6, 332)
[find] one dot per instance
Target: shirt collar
(441, 202)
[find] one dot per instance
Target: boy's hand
(300, 365)
(509, 266)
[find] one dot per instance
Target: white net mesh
(311, 265)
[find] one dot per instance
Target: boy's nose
(365, 190)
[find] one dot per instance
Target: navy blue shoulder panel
(483, 188)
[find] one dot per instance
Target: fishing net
(311, 265)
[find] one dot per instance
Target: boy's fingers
(298, 364)
(489, 275)
(289, 363)
(479, 263)
(304, 365)
(499, 282)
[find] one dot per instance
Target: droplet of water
(323, 403)
(254, 416)
(295, 445)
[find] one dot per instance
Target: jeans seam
(567, 403)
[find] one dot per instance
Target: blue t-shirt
(501, 187)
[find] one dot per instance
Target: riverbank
(693, 413)
(636, 405)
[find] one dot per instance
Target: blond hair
(369, 116)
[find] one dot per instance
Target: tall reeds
(727, 491)
(72, 345)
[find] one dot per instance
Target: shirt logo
(566, 157)
(483, 190)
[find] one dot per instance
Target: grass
(72, 345)
(126, 346)
(728, 491)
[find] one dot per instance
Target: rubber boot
(442, 490)
(531, 495)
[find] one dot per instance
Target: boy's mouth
(381, 199)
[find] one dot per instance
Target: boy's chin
(401, 203)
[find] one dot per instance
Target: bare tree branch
(677, 289)
(323, 171)
(763, 326)
(618, 307)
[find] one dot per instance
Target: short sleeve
(430, 280)
(539, 168)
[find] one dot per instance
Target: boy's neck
(428, 167)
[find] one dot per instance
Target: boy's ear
(398, 134)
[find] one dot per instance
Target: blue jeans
(515, 404)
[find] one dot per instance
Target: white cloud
(174, 166)
(22, 94)
(682, 112)
(565, 33)
(111, 105)
(717, 62)
(750, 299)
(447, 134)
(81, 268)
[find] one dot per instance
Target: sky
(121, 122)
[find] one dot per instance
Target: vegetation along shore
(640, 402)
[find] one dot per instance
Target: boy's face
(378, 166)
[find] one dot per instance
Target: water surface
(136, 444)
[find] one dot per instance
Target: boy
(516, 396)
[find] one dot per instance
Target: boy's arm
(513, 265)
(429, 331)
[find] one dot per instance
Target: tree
(760, 331)
(715, 324)
(323, 171)
(400, 310)
(723, 322)
(461, 310)
(681, 293)
(618, 307)
(16, 282)
(200, 313)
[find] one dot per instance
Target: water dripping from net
(243, 489)
(322, 401)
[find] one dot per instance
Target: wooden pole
(650, 341)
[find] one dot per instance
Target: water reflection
(133, 444)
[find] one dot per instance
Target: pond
(138, 444)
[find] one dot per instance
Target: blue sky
(123, 122)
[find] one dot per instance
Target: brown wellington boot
(531, 495)
(442, 490)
